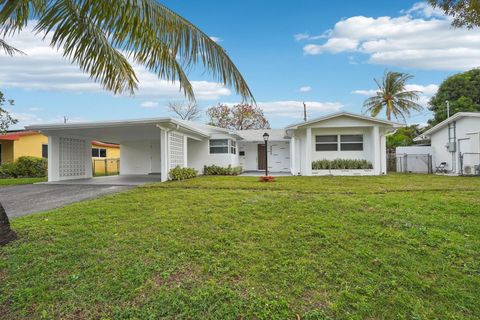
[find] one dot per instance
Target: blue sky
(320, 52)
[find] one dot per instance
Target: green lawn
(394, 247)
(17, 181)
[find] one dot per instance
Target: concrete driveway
(25, 199)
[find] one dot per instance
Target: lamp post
(265, 138)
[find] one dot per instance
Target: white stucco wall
(466, 128)
(135, 157)
(69, 158)
(278, 155)
(198, 155)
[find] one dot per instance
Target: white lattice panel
(176, 150)
(72, 157)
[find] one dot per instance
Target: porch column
(292, 155)
(163, 155)
(308, 152)
(376, 150)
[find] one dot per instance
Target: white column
(164, 155)
(88, 159)
(185, 150)
(292, 155)
(383, 154)
(308, 152)
(376, 150)
(53, 159)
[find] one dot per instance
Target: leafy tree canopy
(6, 119)
(403, 137)
(237, 117)
(465, 13)
(462, 90)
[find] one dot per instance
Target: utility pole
(65, 119)
(448, 108)
(304, 112)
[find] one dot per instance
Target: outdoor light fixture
(265, 138)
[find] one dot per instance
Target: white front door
(155, 162)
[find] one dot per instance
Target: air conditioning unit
(451, 146)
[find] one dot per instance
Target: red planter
(267, 179)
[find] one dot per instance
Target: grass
(18, 181)
(394, 247)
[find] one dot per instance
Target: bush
(214, 170)
(25, 167)
(341, 164)
(179, 173)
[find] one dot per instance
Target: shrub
(179, 173)
(25, 167)
(341, 164)
(214, 170)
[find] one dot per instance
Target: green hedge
(341, 164)
(214, 170)
(25, 167)
(179, 173)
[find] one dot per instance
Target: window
(326, 143)
(99, 153)
(44, 150)
(219, 146)
(233, 147)
(351, 142)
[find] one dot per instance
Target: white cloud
(149, 104)
(420, 37)
(426, 92)
(216, 39)
(294, 109)
(305, 89)
(44, 68)
(307, 36)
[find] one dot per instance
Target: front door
(261, 157)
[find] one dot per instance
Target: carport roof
(132, 125)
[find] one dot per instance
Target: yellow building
(16, 144)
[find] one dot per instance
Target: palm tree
(393, 96)
(102, 37)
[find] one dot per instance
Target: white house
(151, 146)
(456, 142)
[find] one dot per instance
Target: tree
(403, 137)
(99, 36)
(6, 120)
(465, 13)
(461, 90)
(237, 117)
(393, 96)
(185, 110)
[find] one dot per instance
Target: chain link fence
(409, 163)
(105, 166)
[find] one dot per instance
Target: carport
(147, 146)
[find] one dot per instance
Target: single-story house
(456, 143)
(154, 146)
(18, 143)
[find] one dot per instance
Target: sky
(324, 53)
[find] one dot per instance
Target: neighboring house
(456, 142)
(157, 145)
(15, 144)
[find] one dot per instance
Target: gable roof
(347, 114)
(456, 116)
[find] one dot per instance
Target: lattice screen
(72, 157)
(176, 150)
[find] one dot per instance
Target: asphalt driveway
(21, 200)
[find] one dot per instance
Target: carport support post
(53, 159)
(308, 153)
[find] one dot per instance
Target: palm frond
(9, 50)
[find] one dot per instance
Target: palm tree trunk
(6, 233)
